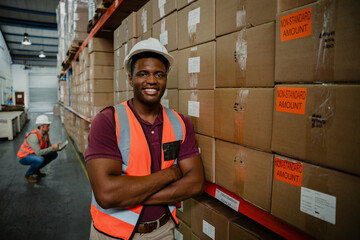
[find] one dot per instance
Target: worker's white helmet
(41, 120)
(148, 45)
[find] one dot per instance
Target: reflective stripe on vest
(134, 148)
(25, 148)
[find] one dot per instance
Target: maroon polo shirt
(102, 144)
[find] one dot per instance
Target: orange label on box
(289, 172)
(295, 25)
(291, 100)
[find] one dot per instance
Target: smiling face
(148, 81)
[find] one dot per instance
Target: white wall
(5, 72)
(42, 82)
(43, 87)
(21, 81)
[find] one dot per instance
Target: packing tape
(193, 67)
(318, 120)
(194, 105)
(240, 14)
(239, 114)
(241, 55)
(163, 33)
(240, 172)
(161, 6)
(126, 31)
(325, 47)
(144, 20)
(193, 20)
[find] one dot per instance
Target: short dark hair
(148, 55)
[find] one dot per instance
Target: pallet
(93, 21)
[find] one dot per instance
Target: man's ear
(130, 79)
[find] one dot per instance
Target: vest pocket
(171, 150)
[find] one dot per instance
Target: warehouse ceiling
(37, 18)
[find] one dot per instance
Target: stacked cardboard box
(211, 219)
(100, 75)
(315, 118)
(246, 74)
(125, 38)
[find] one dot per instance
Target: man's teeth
(150, 90)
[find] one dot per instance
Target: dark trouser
(37, 162)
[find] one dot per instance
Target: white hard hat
(42, 119)
(148, 45)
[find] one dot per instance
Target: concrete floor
(55, 208)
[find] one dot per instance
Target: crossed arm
(168, 186)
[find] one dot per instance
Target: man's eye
(159, 75)
(141, 74)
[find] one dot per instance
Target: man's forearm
(184, 188)
(127, 191)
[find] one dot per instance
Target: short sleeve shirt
(102, 143)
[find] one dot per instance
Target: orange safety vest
(136, 161)
(25, 148)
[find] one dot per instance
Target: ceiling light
(42, 55)
(26, 40)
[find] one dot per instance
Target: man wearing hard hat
(37, 150)
(142, 157)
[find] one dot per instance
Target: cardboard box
(238, 169)
(321, 47)
(102, 99)
(121, 81)
(128, 28)
(182, 232)
(166, 31)
(84, 125)
(210, 219)
(319, 201)
(124, 51)
(197, 67)
(162, 8)
(197, 23)
(123, 96)
(100, 45)
(183, 3)
(101, 72)
(75, 68)
(94, 110)
(85, 62)
(170, 99)
(207, 151)
(198, 106)
(101, 86)
(246, 58)
(101, 59)
(184, 212)
(86, 75)
(146, 35)
(233, 15)
(194, 237)
(284, 5)
(117, 42)
(144, 19)
(244, 116)
(245, 228)
(117, 64)
(318, 124)
(172, 78)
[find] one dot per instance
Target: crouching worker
(37, 150)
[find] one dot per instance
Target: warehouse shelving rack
(116, 13)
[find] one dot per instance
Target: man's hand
(55, 146)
